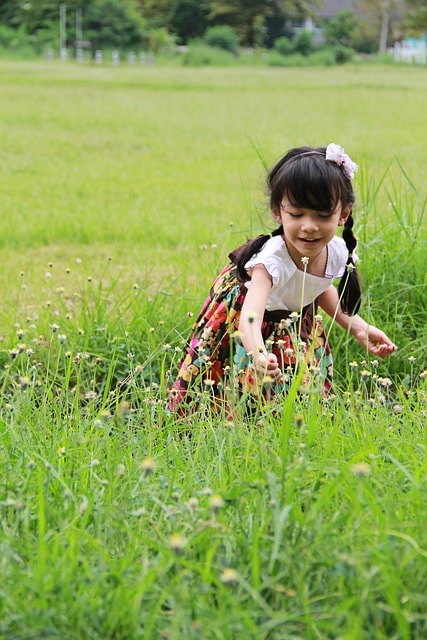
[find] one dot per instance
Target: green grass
(122, 191)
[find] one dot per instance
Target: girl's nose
(310, 224)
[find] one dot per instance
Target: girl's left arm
(369, 337)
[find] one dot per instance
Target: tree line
(157, 24)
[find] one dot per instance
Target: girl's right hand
(267, 364)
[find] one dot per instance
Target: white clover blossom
(336, 153)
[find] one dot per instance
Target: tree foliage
(119, 23)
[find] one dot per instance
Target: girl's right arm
(251, 318)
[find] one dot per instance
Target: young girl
(259, 325)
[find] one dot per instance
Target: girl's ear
(345, 213)
(276, 215)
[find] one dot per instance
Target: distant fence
(98, 57)
(403, 52)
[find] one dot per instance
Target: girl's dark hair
(308, 180)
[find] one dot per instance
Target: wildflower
(365, 375)
(61, 452)
(20, 334)
(83, 505)
(135, 286)
(62, 338)
(120, 469)
(208, 382)
(386, 382)
(91, 395)
(294, 316)
(412, 359)
(24, 381)
(353, 364)
(305, 260)
(284, 323)
(361, 469)
(48, 274)
(89, 278)
(299, 421)
(228, 576)
(94, 462)
(423, 374)
(54, 327)
(60, 290)
(190, 314)
(375, 363)
(397, 408)
(80, 331)
(216, 502)
(167, 347)
(148, 466)
(177, 542)
(350, 268)
(192, 504)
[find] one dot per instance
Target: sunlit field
(122, 192)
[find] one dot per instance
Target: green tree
(342, 29)
(113, 24)
(382, 21)
(189, 19)
(416, 17)
(247, 17)
(156, 13)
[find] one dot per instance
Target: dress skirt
(216, 367)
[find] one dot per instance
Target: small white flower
(305, 260)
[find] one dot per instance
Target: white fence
(412, 55)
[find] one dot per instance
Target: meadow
(122, 192)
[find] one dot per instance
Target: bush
(304, 43)
(222, 37)
(294, 60)
(343, 54)
(323, 58)
(199, 55)
(284, 46)
(16, 41)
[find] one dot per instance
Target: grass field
(122, 191)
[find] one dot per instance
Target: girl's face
(307, 231)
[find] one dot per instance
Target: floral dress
(216, 367)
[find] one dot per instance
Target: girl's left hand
(375, 341)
